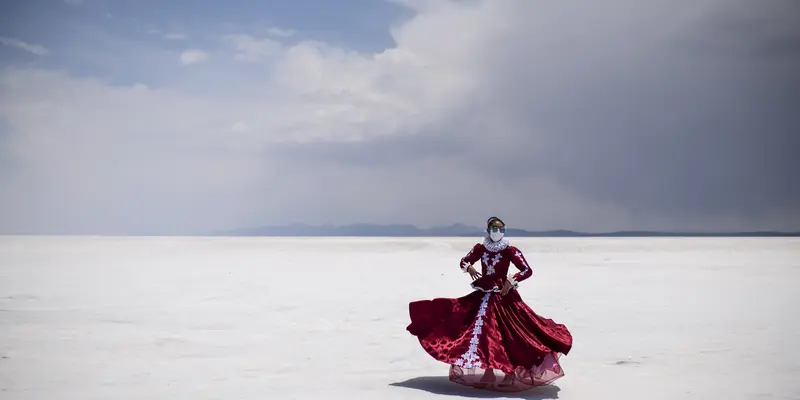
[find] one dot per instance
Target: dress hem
(522, 378)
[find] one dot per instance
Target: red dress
(487, 330)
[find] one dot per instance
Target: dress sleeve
(472, 257)
(525, 271)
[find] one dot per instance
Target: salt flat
(312, 318)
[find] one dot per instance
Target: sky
(185, 117)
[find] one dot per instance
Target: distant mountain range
(459, 230)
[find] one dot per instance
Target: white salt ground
(293, 318)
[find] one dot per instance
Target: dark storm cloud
(579, 115)
(714, 132)
(700, 123)
(377, 153)
(7, 160)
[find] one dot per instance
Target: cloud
(189, 57)
(239, 127)
(36, 49)
(110, 155)
(279, 32)
(551, 115)
(252, 49)
(175, 36)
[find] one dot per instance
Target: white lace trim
(522, 260)
(494, 247)
(464, 266)
(491, 263)
(513, 282)
(493, 289)
(470, 358)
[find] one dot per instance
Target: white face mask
(495, 235)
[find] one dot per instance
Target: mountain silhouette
(460, 230)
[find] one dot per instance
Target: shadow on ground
(442, 385)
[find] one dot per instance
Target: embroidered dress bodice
(496, 259)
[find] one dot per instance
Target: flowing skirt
(485, 330)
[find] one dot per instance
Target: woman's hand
(474, 274)
(506, 288)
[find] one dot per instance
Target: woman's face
(497, 226)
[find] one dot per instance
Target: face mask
(496, 233)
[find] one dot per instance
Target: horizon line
(529, 234)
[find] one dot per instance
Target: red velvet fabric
(486, 330)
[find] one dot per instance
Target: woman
(491, 328)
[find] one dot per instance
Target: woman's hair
(492, 220)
